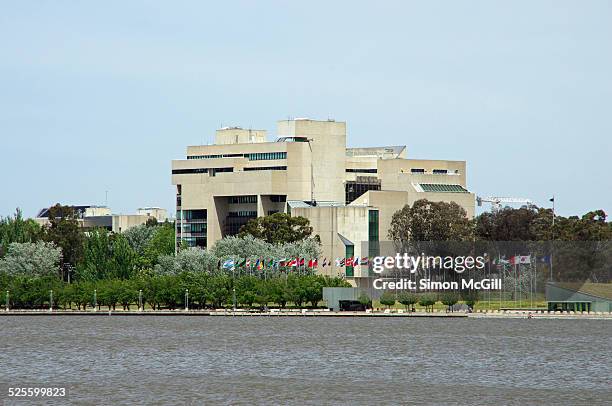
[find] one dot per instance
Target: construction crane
(496, 202)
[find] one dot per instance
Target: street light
(140, 300)
(50, 300)
(95, 299)
(7, 300)
(186, 299)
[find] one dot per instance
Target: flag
(520, 259)
(248, 263)
(552, 199)
(349, 262)
(324, 263)
(301, 261)
(357, 261)
(339, 262)
(228, 264)
(547, 259)
(242, 263)
(260, 264)
(364, 261)
(292, 262)
(312, 263)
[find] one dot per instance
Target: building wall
(328, 144)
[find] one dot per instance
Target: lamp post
(95, 300)
(186, 299)
(51, 300)
(7, 300)
(140, 300)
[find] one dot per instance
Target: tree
(97, 258)
(431, 221)
(508, 224)
(138, 237)
(470, 297)
(123, 257)
(277, 228)
(449, 299)
(428, 300)
(16, 229)
(387, 299)
(32, 259)
(365, 301)
(65, 231)
(161, 243)
(408, 299)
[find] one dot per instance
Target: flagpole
(553, 238)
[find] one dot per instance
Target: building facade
(91, 216)
(348, 194)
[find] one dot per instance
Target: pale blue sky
(99, 96)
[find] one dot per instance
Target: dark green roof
(435, 187)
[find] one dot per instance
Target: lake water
(217, 360)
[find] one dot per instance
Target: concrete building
(101, 217)
(348, 194)
(579, 297)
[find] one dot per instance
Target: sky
(97, 98)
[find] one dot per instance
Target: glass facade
(354, 189)
(253, 156)
(191, 228)
(373, 237)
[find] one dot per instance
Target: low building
(90, 217)
(579, 297)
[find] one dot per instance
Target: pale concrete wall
(236, 135)
(327, 222)
(328, 151)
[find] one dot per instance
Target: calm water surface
(215, 360)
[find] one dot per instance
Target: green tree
(408, 299)
(470, 298)
(277, 228)
(431, 221)
(65, 231)
(161, 243)
(97, 259)
(449, 299)
(428, 300)
(123, 257)
(365, 301)
(32, 259)
(387, 299)
(16, 229)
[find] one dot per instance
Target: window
(264, 156)
(373, 244)
(242, 199)
(352, 170)
(417, 170)
(266, 168)
(354, 189)
(212, 171)
(278, 198)
(440, 171)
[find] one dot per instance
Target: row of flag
(521, 259)
(293, 263)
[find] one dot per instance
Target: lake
(224, 360)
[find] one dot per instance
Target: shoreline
(517, 314)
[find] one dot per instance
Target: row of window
(265, 156)
(435, 171)
(351, 170)
(211, 171)
(253, 156)
(242, 199)
(242, 213)
(266, 168)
